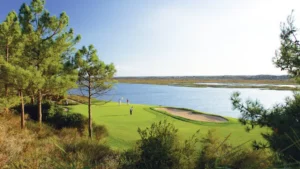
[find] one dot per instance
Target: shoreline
(261, 87)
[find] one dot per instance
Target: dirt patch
(192, 116)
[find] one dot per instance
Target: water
(209, 100)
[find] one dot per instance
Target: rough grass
(45, 147)
(122, 127)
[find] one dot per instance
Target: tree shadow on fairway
(114, 115)
(111, 105)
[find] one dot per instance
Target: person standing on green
(131, 109)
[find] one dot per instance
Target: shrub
(129, 159)
(159, 148)
(87, 153)
(218, 153)
(21, 148)
(41, 132)
(32, 110)
(56, 116)
(67, 135)
(46, 147)
(100, 131)
(62, 119)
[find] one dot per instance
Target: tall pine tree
(48, 46)
(95, 77)
(10, 51)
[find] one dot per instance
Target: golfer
(131, 109)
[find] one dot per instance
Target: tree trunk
(32, 99)
(90, 111)
(6, 86)
(6, 53)
(23, 110)
(40, 107)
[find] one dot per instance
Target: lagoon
(208, 100)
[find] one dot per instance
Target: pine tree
(10, 51)
(95, 77)
(19, 79)
(48, 47)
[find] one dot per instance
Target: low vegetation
(48, 147)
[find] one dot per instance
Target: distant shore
(267, 82)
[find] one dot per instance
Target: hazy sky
(178, 37)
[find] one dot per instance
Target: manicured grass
(123, 127)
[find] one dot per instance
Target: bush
(63, 119)
(41, 133)
(46, 147)
(159, 148)
(100, 132)
(87, 153)
(129, 159)
(56, 116)
(32, 110)
(217, 153)
(22, 148)
(67, 135)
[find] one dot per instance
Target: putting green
(123, 127)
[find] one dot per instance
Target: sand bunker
(192, 116)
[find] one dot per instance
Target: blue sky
(178, 37)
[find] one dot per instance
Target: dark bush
(32, 110)
(67, 120)
(56, 116)
(129, 159)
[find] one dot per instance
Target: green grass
(122, 127)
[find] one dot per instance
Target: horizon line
(200, 75)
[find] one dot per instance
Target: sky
(178, 37)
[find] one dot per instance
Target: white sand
(189, 115)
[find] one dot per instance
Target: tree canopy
(284, 118)
(39, 59)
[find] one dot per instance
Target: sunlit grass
(122, 126)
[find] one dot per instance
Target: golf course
(122, 127)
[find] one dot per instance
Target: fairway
(122, 126)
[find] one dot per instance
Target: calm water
(210, 100)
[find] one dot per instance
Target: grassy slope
(123, 127)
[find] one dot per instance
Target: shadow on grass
(114, 115)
